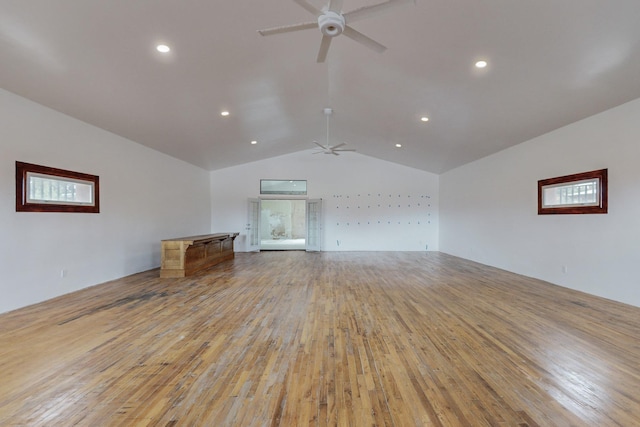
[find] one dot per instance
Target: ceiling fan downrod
(328, 112)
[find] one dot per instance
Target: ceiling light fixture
(398, 145)
(254, 142)
(224, 113)
(481, 64)
(424, 118)
(163, 48)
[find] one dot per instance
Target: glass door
(253, 226)
(314, 225)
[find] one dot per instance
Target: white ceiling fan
(330, 149)
(332, 22)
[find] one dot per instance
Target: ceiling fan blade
(362, 39)
(345, 149)
(334, 153)
(339, 145)
(320, 145)
(335, 5)
(324, 48)
(308, 6)
(369, 11)
(288, 28)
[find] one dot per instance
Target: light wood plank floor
(347, 339)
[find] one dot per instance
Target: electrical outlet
(63, 273)
(564, 269)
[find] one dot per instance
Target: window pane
(581, 193)
(47, 188)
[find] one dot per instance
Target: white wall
(489, 208)
(368, 204)
(145, 197)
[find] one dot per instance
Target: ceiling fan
(332, 22)
(330, 149)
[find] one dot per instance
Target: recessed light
(398, 145)
(254, 142)
(224, 113)
(481, 64)
(163, 48)
(424, 118)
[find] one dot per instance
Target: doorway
(277, 238)
(283, 224)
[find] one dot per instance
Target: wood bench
(185, 256)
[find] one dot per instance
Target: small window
(283, 186)
(45, 189)
(582, 193)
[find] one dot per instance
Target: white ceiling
(551, 62)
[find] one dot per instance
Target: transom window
(289, 187)
(46, 189)
(574, 194)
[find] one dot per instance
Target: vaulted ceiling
(550, 63)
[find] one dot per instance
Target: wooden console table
(187, 255)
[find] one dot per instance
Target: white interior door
(253, 225)
(314, 225)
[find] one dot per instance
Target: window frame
(24, 205)
(601, 207)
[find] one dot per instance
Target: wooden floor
(347, 339)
